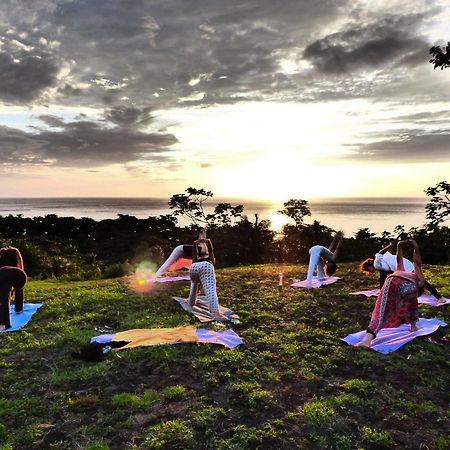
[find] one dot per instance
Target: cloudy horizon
(249, 99)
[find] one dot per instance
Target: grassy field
(293, 385)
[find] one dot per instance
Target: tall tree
(438, 208)
(192, 206)
(296, 209)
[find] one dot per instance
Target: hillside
(293, 384)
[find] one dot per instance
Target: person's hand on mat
(414, 328)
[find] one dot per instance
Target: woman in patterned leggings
(397, 301)
(202, 271)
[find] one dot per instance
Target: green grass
(293, 385)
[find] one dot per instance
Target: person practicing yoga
(202, 272)
(12, 281)
(324, 259)
(397, 301)
(386, 263)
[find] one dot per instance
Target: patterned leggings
(203, 272)
(396, 304)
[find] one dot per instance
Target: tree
(191, 206)
(440, 58)
(438, 208)
(296, 209)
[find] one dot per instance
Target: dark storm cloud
(135, 57)
(390, 41)
(83, 143)
(409, 148)
(26, 74)
(127, 117)
(168, 53)
(152, 50)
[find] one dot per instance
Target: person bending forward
(323, 258)
(202, 271)
(12, 280)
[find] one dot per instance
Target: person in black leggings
(12, 279)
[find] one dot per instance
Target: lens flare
(142, 281)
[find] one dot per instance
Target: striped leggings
(203, 272)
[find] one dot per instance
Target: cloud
(26, 74)
(119, 138)
(408, 148)
(387, 42)
(172, 53)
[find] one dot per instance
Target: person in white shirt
(386, 263)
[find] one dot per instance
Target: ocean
(348, 214)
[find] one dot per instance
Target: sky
(256, 99)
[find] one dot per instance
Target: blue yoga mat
(18, 321)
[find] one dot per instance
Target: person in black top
(202, 271)
(12, 282)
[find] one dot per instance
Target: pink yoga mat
(425, 299)
(168, 279)
(316, 283)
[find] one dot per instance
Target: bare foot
(367, 341)
(414, 328)
(441, 301)
(2, 327)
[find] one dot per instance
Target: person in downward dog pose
(397, 301)
(202, 272)
(12, 280)
(386, 263)
(324, 259)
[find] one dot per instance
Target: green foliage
(191, 206)
(441, 442)
(245, 437)
(170, 434)
(206, 417)
(343, 442)
(438, 208)
(382, 439)
(174, 392)
(126, 399)
(317, 413)
(251, 394)
(3, 433)
(294, 384)
(296, 210)
(98, 445)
